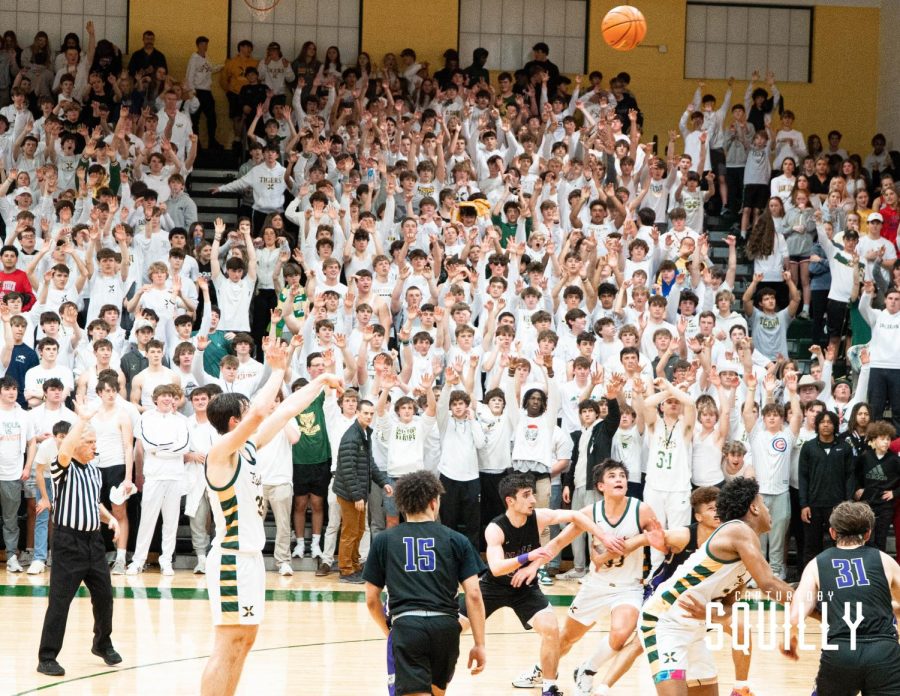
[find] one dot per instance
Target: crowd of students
(503, 270)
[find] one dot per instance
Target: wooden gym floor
(317, 637)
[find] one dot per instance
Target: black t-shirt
(816, 185)
(851, 576)
(422, 565)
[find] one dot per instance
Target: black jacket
(826, 478)
(599, 446)
(355, 465)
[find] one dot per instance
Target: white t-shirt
(628, 448)
(274, 462)
(37, 375)
(771, 458)
(46, 455)
(15, 432)
(772, 266)
(234, 302)
(867, 244)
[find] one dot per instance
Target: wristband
(522, 559)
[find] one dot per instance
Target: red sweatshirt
(17, 281)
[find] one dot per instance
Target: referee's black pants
(77, 557)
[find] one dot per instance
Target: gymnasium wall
(888, 94)
(846, 51)
(839, 58)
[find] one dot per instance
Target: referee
(79, 554)
(422, 563)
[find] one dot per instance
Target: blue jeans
(555, 504)
(42, 523)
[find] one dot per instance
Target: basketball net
(261, 9)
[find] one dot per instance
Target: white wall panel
(753, 36)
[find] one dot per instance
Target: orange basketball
(624, 27)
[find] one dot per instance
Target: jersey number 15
(419, 554)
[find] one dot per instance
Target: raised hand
(276, 354)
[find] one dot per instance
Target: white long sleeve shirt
(460, 442)
(166, 438)
(885, 334)
(199, 73)
(267, 185)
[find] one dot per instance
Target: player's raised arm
(583, 522)
(218, 462)
(294, 404)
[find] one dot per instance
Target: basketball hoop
(261, 9)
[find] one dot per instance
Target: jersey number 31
(419, 554)
(850, 572)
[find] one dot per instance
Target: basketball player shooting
(235, 568)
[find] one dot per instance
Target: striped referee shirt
(76, 496)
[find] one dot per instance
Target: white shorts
(676, 651)
(595, 601)
(237, 587)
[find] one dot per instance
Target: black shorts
(717, 160)
(112, 476)
(837, 318)
(312, 479)
(425, 650)
(756, 196)
(526, 601)
(872, 669)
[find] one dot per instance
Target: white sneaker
(13, 565)
(166, 569)
(118, 567)
(573, 574)
(530, 679)
(299, 550)
(584, 680)
(200, 568)
(316, 551)
(285, 569)
(36, 568)
(134, 568)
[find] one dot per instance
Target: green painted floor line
(309, 596)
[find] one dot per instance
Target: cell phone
(370, 173)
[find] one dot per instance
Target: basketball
(624, 27)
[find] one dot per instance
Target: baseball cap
(874, 217)
(141, 324)
(23, 190)
(725, 365)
